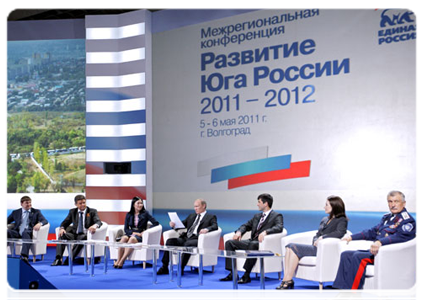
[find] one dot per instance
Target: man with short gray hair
(395, 227)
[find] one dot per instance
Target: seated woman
(333, 226)
(135, 223)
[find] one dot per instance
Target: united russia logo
(396, 26)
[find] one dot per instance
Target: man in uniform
(395, 227)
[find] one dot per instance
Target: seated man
(262, 224)
(26, 219)
(395, 227)
(197, 223)
(84, 219)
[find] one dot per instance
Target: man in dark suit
(196, 223)
(83, 219)
(262, 224)
(26, 219)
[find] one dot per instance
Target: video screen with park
(46, 116)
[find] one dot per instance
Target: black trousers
(69, 236)
(181, 241)
(232, 245)
(26, 235)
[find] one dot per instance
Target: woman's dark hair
(338, 207)
(135, 199)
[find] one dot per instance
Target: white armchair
(208, 240)
(99, 235)
(271, 242)
(397, 258)
(151, 236)
(36, 248)
(322, 267)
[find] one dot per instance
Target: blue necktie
(80, 223)
(24, 222)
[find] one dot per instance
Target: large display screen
(45, 114)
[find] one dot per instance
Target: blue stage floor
(132, 282)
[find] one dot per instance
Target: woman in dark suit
(135, 223)
(333, 226)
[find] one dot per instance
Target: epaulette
(405, 215)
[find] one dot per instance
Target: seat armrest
(41, 234)
(168, 234)
(327, 250)
(228, 236)
(152, 235)
(210, 239)
(113, 232)
(100, 233)
(272, 242)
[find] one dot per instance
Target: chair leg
(42, 257)
(279, 275)
(212, 269)
(320, 285)
(144, 264)
(34, 258)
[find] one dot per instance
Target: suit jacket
(91, 218)
(35, 217)
(337, 228)
(209, 222)
(143, 219)
(272, 224)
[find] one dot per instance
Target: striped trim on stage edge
(117, 80)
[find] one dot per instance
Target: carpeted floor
(132, 282)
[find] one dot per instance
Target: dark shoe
(286, 285)
(228, 278)
(57, 262)
(97, 260)
(341, 296)
(353, 297)
(163, 271)
(25, 259)
(244, 279)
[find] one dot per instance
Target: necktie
(259, 225)
(24, 222)
(80, 223)
(261, 222)
(191, 229)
